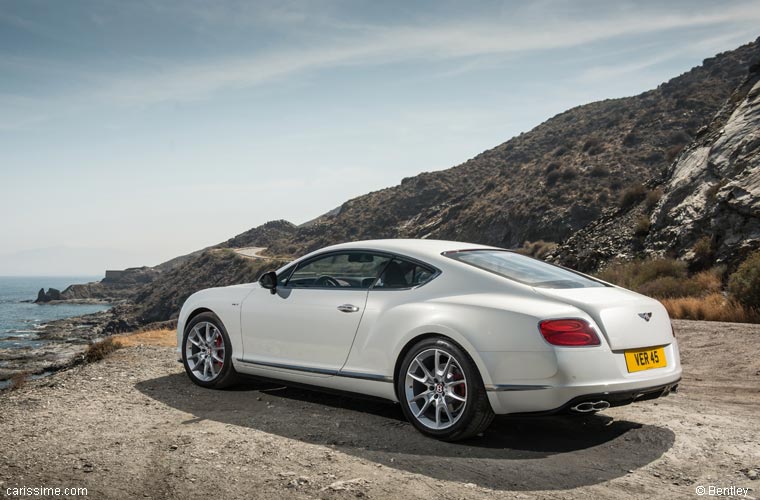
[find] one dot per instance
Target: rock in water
(51, 294)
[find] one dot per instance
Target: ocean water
(20, 321)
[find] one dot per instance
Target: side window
(404, 274)
(356, 270)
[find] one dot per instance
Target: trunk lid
(621, 314)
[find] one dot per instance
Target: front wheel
(441, 391)
(207, 352)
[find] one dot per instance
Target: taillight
(568, 332)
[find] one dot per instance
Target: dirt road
(133, 426)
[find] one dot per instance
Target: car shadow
(546, 453)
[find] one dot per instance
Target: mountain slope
(710, 209)
(543, 184)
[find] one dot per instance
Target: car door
(309, 323)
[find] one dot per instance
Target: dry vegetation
(697, 296)
(18, 380)
(99, 350)
(163, 338)
(712, 307)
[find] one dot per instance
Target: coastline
(60, 343)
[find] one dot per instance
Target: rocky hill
(709, 208)
(544, 184)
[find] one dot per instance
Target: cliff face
(709, 211)
(713, 190)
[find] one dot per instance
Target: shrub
(593, 146)
(632, 195)
(672, 152)
(552, 178)
(631, 139)
(18, 380)
(663, 278)
(99, 350)
(538, 249)
(642, 226)
(712, 307)
(712, 191)
(635, 273)
(670, 287)
(569, 173)
(653, 197)
(551, 167)
(703, 251)
(599, 171)
(744, 284)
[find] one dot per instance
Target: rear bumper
(568, 376)
(548, 399)
(615, 398)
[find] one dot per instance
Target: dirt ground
(133, 426)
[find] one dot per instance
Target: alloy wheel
(436, 389)
(204, 351)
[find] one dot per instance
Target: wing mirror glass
(268, 280)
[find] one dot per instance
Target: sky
(133, 132)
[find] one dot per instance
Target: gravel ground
(133, 426)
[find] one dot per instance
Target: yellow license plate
(645, 359)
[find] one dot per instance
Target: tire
(450, 406)
(202, 341)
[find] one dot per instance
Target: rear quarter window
(522, 269)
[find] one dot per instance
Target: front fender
(224, 303)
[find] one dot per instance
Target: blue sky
(132, 132)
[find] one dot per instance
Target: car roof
(422, 249)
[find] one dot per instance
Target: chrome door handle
(348, 308)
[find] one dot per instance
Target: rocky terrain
(707, 206)
(134, 426)
(60, 343)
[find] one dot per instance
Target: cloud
(632, 66)
(377, 44)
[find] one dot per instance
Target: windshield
(523, 269)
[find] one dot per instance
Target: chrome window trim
(384, 253)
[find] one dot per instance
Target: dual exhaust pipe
(590, 406)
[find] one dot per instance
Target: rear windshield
(523, 269)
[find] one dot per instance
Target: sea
(20, 317)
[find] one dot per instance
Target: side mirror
(268, 280)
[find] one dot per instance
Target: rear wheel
(207, 352)
(441, 391)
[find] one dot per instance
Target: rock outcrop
(709, 211)
(713, 192)
(50, 295)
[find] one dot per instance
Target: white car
(455, 332)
